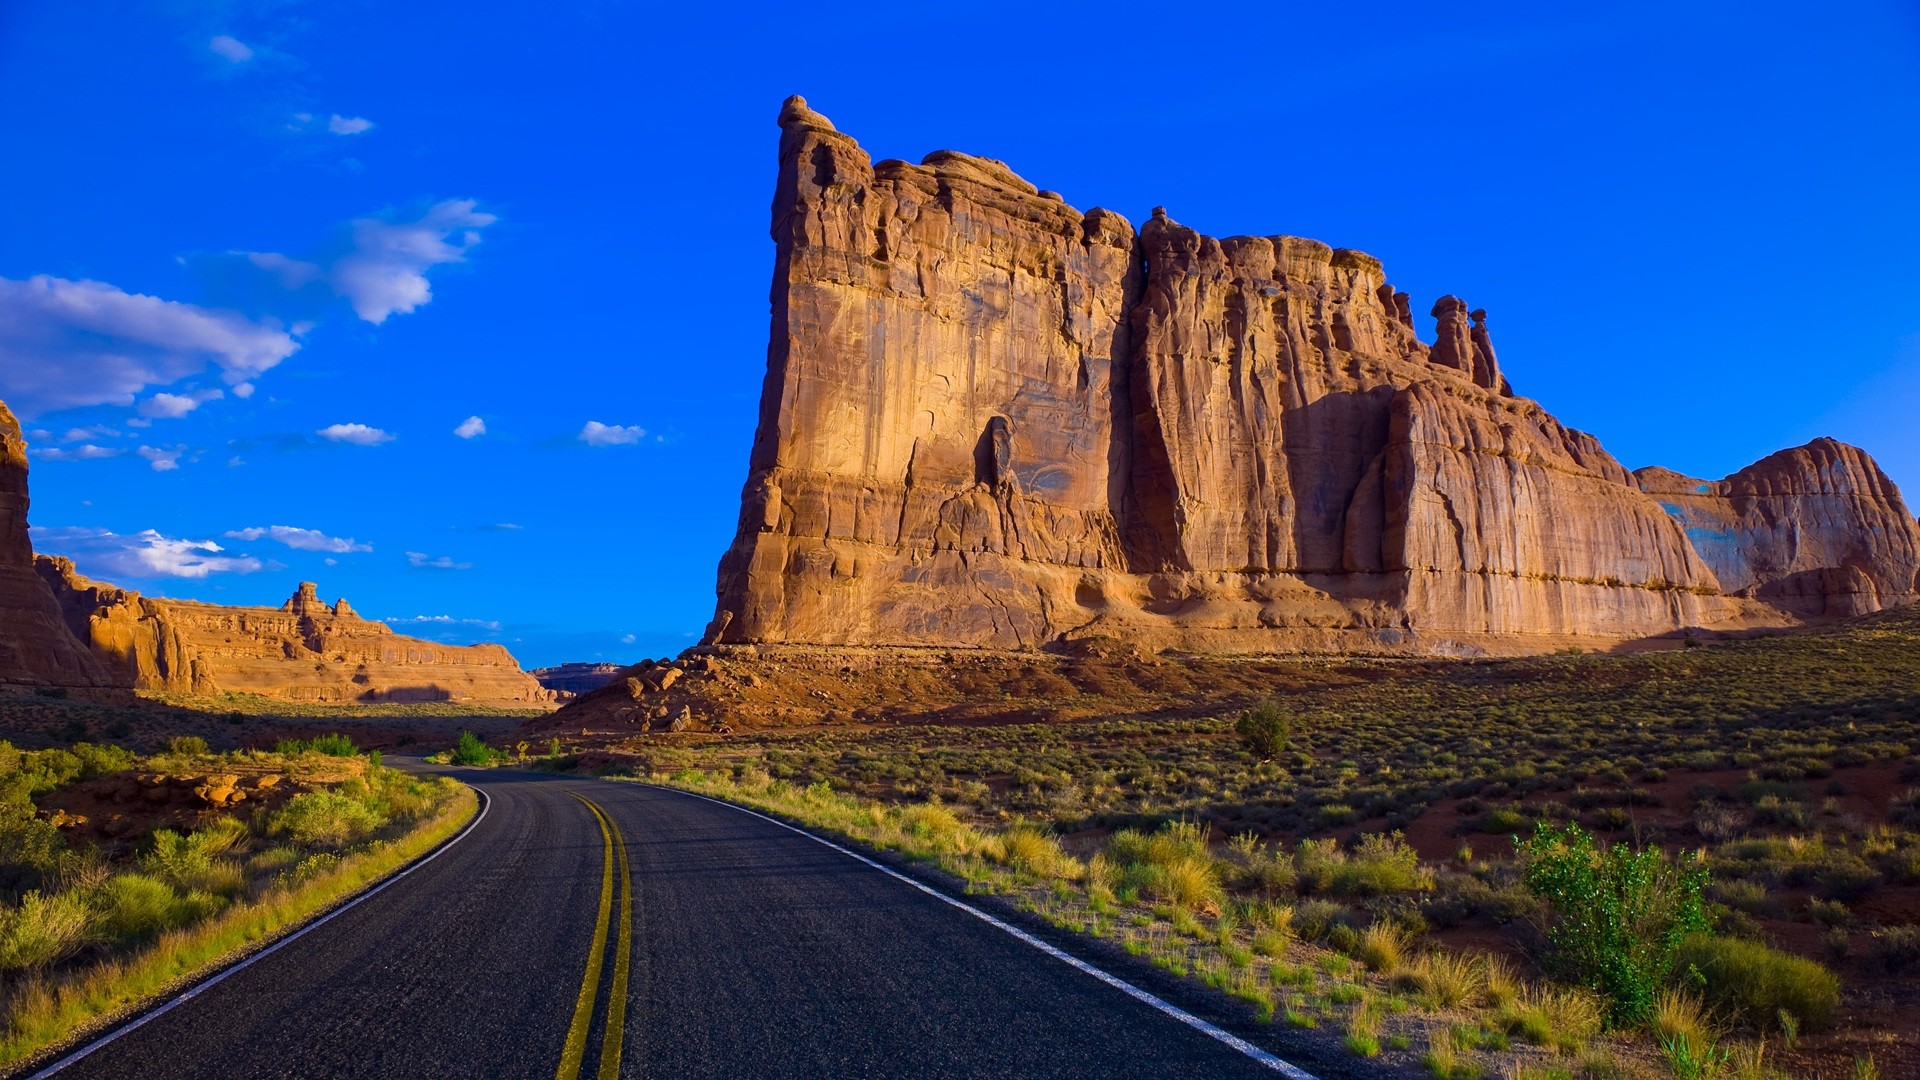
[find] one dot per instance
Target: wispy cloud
(420, 560)
(65, 344)
(146, 554)
(357, 434)
(384, 268)
(83, 452)
(300, 539)
(349, 125)
(230, 49)
(596, 433)
(471, 427)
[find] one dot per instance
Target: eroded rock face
(990, 419)
(304, 650)
(35, 648)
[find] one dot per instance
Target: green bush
(134, 906)
(1264, 730)
(332, 744)
(471, 751)
(324, 819)
(1759, 983)
(1618, 915)
(186, 744)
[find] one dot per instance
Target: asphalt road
(748, 951)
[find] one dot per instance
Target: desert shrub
(332, 744)
(471, 751)
(134, 906)
(1381, 864)
(1759, 983)
(1618, 914)
(1560, 1018)
(1894, 949)
(188, 745)
(930, 822)
(324, 818)
(1264, 730)
(42, 929)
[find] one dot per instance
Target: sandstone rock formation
(35, 648)
(990, 419)
(304, 650)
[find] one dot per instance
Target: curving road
(728, 946)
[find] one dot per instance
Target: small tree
(1264, 729)
(1618, 915)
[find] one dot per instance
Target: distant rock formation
(576, 679)
(35, 648)
(992, 420)
(59, 629)
(304, 650)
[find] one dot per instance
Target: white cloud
(349, 125)
(162, 460)
(300, 539)
(599, 434)
(83, 452)
(146, 554)
(385, 268)
(97, 431)
(230, 49)
(243, 390)
(628, 639)
(420, 560)
(357, 434)
(65, 344)
(174, 406)
(470, 427)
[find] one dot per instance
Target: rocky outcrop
(35, 648)
(1818, 530)
(990, 419)
(304, 650)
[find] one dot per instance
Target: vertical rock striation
(990, 419)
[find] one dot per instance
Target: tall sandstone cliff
(35, 648)
(990, 419)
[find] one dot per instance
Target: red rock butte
(992, 420)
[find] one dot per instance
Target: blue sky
(264, 261)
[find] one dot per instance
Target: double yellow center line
(575, 1054)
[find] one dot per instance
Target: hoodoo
(990, 419)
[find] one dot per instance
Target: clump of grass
(1758, 983)
(1363, 1031)
(1382, 948)
(1171, 865)
(42, 929)
(1445, 980)
(1687, 1038)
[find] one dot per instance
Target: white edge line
(200, 988)
(1283, 1067)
